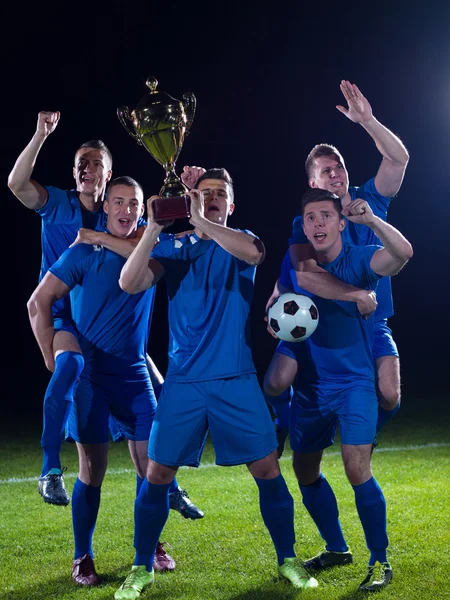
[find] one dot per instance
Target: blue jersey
(210, 294)
(62, 216)
(361, 235)
(339, 352)
(112, 324)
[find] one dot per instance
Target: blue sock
(281, 406)
(173, 486)
(151, 511)
(59, 394)
(85, 505)
(139, 482)
(320, 502)
(384, 416)
(277, 510)
(371, 507)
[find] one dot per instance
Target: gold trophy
(160, 125)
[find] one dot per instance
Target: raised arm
(32, 194)
(397, 250)
(242, 245)
(395, 156)
(141, 272)
(319, 282)
(40, 314)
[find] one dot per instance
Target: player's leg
(278, 381)
(88, 426)
(242, 433)
(313, 427)
(178, 498)
(371, 507)
(175, 439)
(357, 428)
(85, 506)
(387, 363)
(69, 363)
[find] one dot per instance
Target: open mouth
(124, 221)
(320, 236)
(213, 208)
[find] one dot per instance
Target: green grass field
(228, 555)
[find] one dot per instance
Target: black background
(266, 77)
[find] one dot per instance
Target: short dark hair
(124, 180)
(317, 195)
(97, 145)
(217, 173)
(318, 151)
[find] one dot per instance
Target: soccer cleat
(162, 561)
(83, 571)
(179, 500)
(281, 433)
(293, 570)
(136, 581)
(327, 559)
(51, 487)
(378, 576)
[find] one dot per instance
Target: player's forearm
(388, 144)
(136, 275)
(242, 245)
(19, 178)
(393, 241)
(122, 246)
(325, 285)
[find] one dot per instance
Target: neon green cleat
(133, 585)
(378, 576)
(294, 570)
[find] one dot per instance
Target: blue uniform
(210, 294)
(361, 235)
(337, 378)
(112, 330)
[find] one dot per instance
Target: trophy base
(169, 209)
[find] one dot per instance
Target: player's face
(124, 205)
(330, 174)
(322, 225)
(92, 171)
(218, 205)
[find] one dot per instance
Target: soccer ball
(293, 317)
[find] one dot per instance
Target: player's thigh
(179, 426)
(280, 374)
(239, 420)
(357, 462)
(93, 460)
(388, 380)
(138, 453)
(65, 341)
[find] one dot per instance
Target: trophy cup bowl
(160, 124)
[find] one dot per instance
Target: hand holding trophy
(160, 125)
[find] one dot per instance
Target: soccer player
(112, 329)
(325, 168)
(337, 381)
(211, 380)
(68, 215)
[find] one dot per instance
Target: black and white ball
(293, 317)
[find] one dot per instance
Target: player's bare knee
(306, 468)
(272, 385)
(265, 468)
(160, 474)
(389, 395)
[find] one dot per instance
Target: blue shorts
(383, 343)
(233, 409)
(314, 419)
(127, 397)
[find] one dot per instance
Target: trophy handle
(124, 113)
(189, 104)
